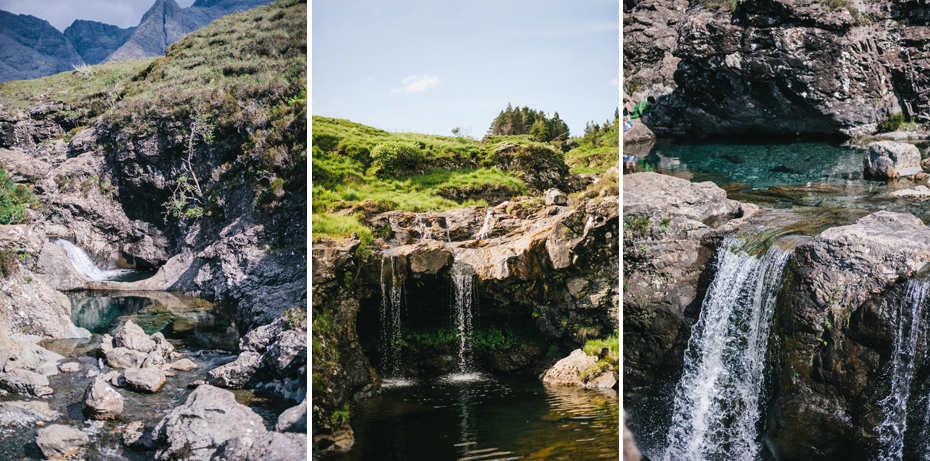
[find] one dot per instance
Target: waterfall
(85, 266)
(426, 232)
(466, 299)
(391, 306)
(716, 404)
(908, 318)
(486, 228)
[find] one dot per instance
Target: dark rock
(102, 401)
(209, 417)
(293, 419)
(59, 441)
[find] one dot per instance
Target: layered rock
(776, 67)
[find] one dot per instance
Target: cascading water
(85, 266)
(908, 317)
(391, 307)
(466, 299)
(426, 232)
(486, 227)
(716, 404)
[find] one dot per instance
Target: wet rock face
(776, 66)
(840, 326)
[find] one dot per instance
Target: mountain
(94, 41)
(30, 48)
(166, 22)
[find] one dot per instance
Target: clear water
(475, 416)
(200, 331)
(823, 176)
(716, 403)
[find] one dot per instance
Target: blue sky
(429, 66)
(61, 13)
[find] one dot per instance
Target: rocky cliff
(776, 66)
(30, 48)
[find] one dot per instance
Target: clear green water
(488, 418)
(822, 180)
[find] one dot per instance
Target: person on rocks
(629, 161)
(643, 109)
(627, 123)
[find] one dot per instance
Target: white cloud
(417, 84)
(615, 81)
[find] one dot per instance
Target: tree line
(528, 121)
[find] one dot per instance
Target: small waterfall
(486, 228)
(466, 299)
(716, 404)
(426, 232)
(85, 266)
(908, 318)
(391, 307)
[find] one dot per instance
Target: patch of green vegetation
(835, 5)
(340, 416)
(296, 318)
(892, 123)
(635, 226)
(593, 347)
(14, 200)
(729, 5)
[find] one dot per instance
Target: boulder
(144, 379)
(888, 160)
(121, 357)
(579, 369)
(162, 346)
(25, 413)
(59, 441)
(131, 336)
(293, 419)
(209, 417)
(153, 360)
(268, 446)
(289, 352)
(102, 401)
(660, 196)
(236, 374)
(25, 382)
(556, 197)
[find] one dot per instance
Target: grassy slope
(245, 74)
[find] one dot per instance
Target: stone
(235, 374)
(131, 336)
(25, 382)
(59, 441)
(268, 446)
(70, 367)
(162, 346)
(144, 379)
(25, 413)
(121, 357)
(154, 360)
(132, 434)
(209, 417)
(888, 160)
(293, 419)
(660, 196)
(556, 197)
(101, 401)
(184, 365)
(289, 352)
(569, 371)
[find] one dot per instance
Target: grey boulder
(58, 441)
(102, 401)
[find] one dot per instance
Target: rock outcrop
(782, 67)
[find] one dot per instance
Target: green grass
(592, 160)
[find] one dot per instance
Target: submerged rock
(209, 417)
(580, 369)
(60, 441)
(102, 401)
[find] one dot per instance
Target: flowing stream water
(465, 300)
(716, 403)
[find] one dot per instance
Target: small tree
(187, 197)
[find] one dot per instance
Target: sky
(431, 66)
(61, 13)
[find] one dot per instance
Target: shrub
(389, 158)
(892, 123)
